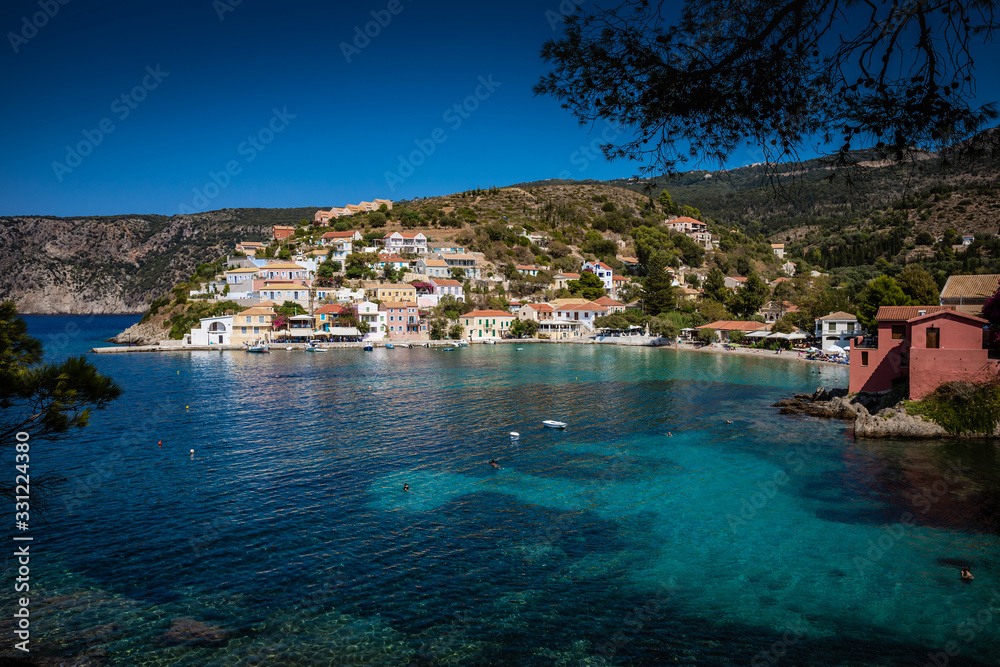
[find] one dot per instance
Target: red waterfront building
(930, 345)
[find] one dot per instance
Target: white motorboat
(551, 423)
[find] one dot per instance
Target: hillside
(118, 264)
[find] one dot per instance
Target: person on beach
(966, 574)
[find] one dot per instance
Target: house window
(933, 338)
(850, 327)
(864, 358)
(832, 326)
(244, 329)
(256, 330)
(898, 331)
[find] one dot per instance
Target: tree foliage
(883, 291)
(657, 292)
(589, 286)
(43, 400)
(898, 77)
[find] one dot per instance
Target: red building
(929, 345)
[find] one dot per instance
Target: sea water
(650, 531)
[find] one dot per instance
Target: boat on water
(368, 347)
(390, 346)
(258, 346)
(314, 347)
(519, 349)
(448, 349)
(551, 423)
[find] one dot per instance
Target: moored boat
(551, 423)
(258, 346)
(368, 347)
(390, 346)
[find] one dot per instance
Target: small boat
(390, 346)
(314, 347)
(258, 346)
(448, 349)
(519, 349)
(514, 435)
(368, 347)
(551, 423)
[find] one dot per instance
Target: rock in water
(188, 630)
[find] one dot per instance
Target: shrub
(960, 407)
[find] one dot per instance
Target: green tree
(43, 400)
(456, 332)
(919, 285)
(883, 291)
(438, 329)
(749, 299)
(657, 291)
(773, 75)
(589, 286)
(520, 328)
(715, 285)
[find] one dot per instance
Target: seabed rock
(188, 630)
(896, 423)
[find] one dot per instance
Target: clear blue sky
(207, 104)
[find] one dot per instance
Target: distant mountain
(118, 264)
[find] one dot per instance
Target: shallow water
(774, 540)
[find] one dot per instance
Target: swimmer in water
(494, 463)
(406, 487)
(966, 574)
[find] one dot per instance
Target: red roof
(608, 301)
(488, 313)
(731, 325)
(903, 313)
(329, 308)
(338, 235)
(442, 282)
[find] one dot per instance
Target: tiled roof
(685, 218)
(329, 308)
(395, 286)
(903, 313)
(539, 306)
(435, 262)
(442, 282)
(839, 315)
(608, 301)
(283, 265)
(256, 310)
(569, 275)
(584, 306)
(970, 287)
(338, 235)
(488, 313)
(731, 325)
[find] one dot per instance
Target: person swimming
(406, 487)
(729, 421)
(493, 462)
(966, 574)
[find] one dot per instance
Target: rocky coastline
(874, 415)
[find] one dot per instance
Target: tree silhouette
(897, 77)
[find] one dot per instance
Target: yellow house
(396, 292)
(252, 324)
(480, 324)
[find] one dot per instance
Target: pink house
(930, 345)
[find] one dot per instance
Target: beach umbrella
(833, 349)
(757, 334)
(797, 336)
(778, 336)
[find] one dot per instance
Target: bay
(650, 531)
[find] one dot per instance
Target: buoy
(178, 372)
(187, 407)
(515, 434)
(160, 443)
(192, 452)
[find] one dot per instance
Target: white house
(684, 224)
(778, 249)
(213, 331)
(369, 312)
(602, 271)
(283, 271)
(735, 282)
(446, 286)
(398, 242)
(584, 313)
(526, 270)
(433, 268)
(331, 238)
(837, 329)
(467, 261)
(241, 280)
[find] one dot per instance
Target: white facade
(376, 319)
(213, 331)
(398, 242)
(837, 329)
(602, 271)
(433, 268)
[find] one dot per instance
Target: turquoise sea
(649, 532)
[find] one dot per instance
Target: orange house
(929, 345)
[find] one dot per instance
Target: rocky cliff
(118, 264)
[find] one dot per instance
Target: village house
(631, 264)
(281, 232)
(252, 324)
(370, 314)
(689, 293)
(613, 307)
(447, 287)
(928, 345)
(396, 292)
(561, 280)
(778, 249)
(395, 262)
(240, 281)
(968, 294)
(584, 313)
(684, 225)
(538, 312)
(789, 268)
(837, 329)
(402, 319)
(480, 324)
(468, 262)
(704, 239)
(526, 270)
(735, 282)
(212, 331)
(433, 268)
(250, 248)
(618, 283)
(399, 242)
(281, 291)
(325, 315)
(602, 271)
(335, 238)
(283, 271)
(772, 311)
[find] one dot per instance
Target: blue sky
(167, 107)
